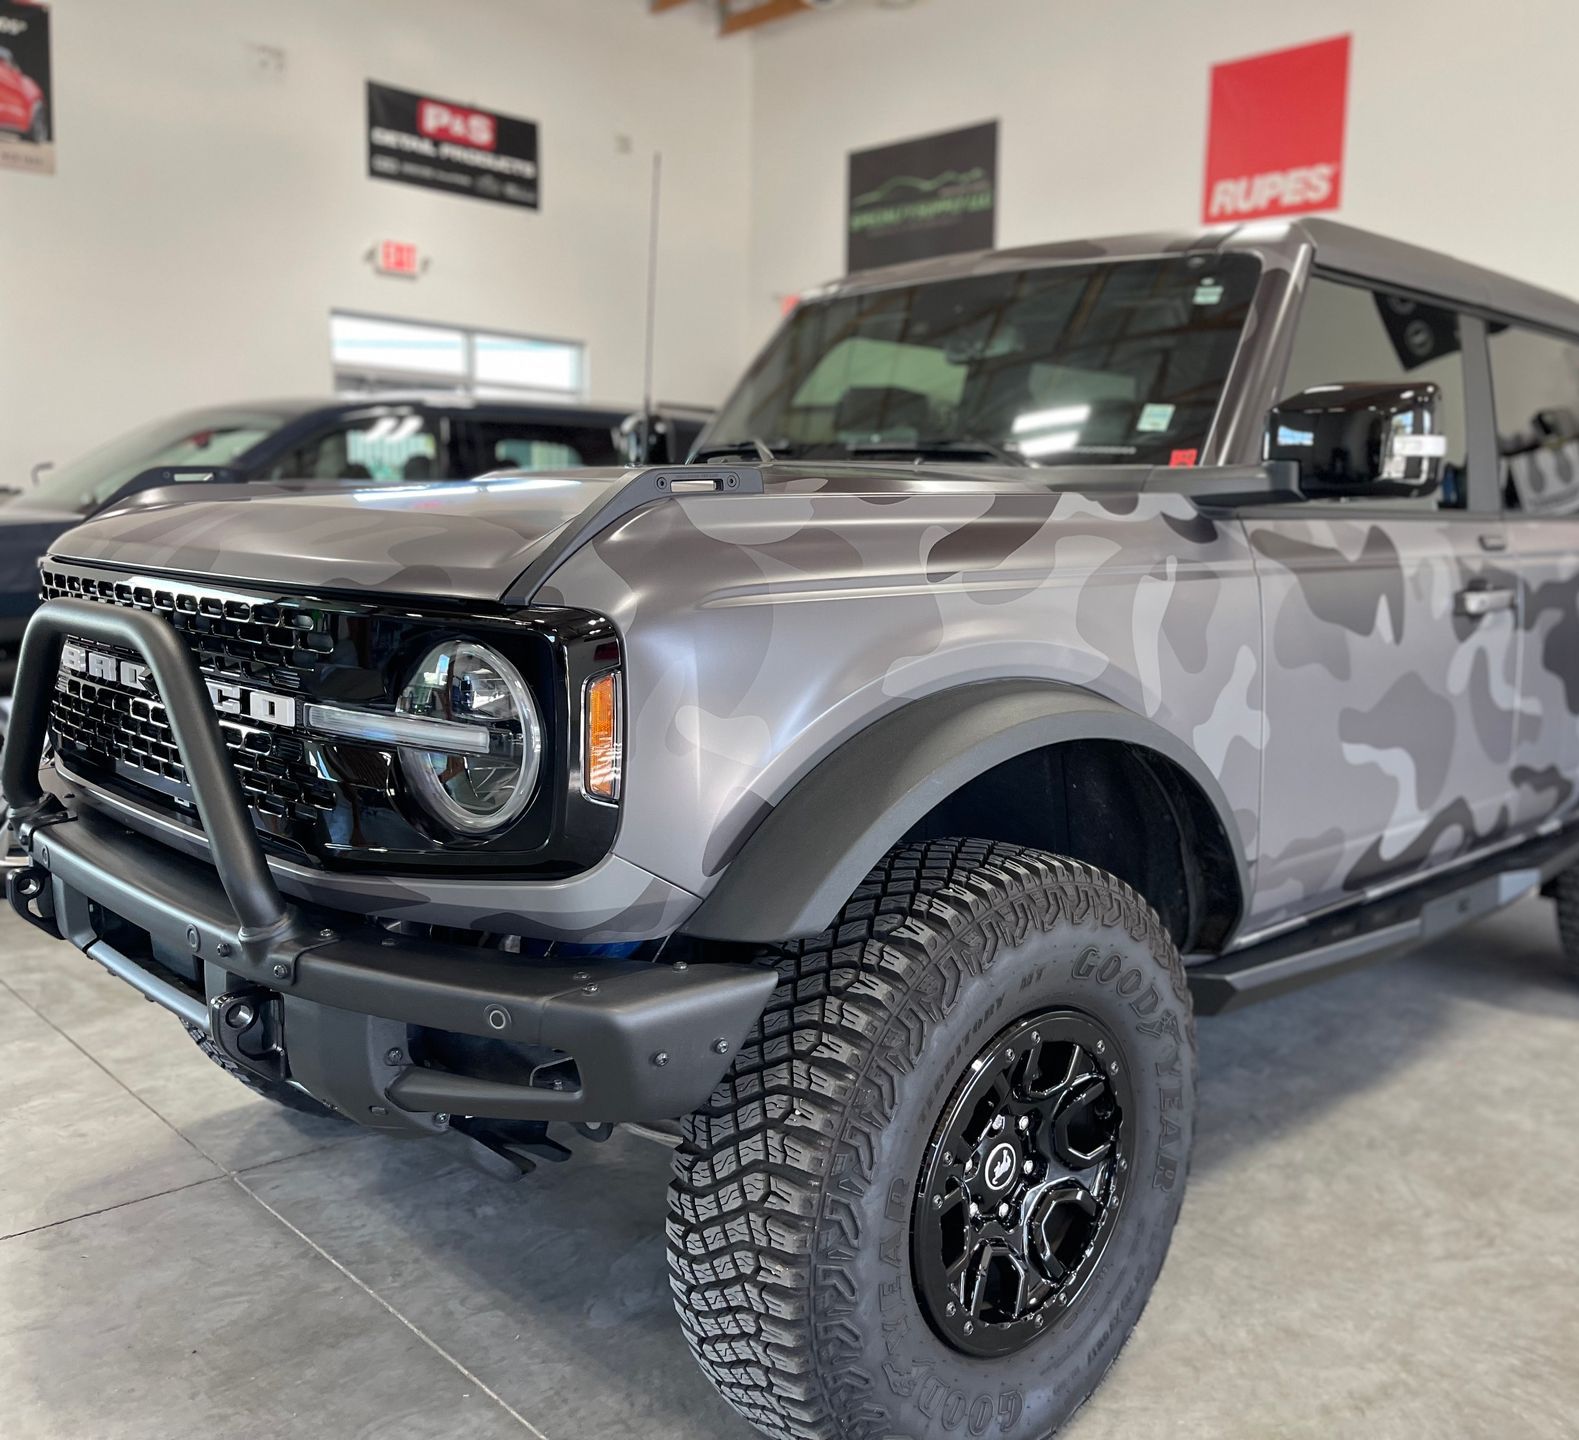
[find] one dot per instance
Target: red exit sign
(398, 257)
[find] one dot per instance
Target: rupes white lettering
(1251, 194)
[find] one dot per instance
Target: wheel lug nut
(1113, 1068)
(937, 1202)
(1008, 1054)
(1028, 1167)
(1036, 1037)
(948, 1157)
(969, 1327)
(1101, 1046)
(951, 1308)
(1003, 1211)
(1041, 1320)
(997, 1124)
(1025, 1122)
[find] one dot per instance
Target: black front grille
(271, 642)
(332, 800)
(107, 733)
(102, 726)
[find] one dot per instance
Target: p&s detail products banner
(1275, 143)
(27, 118)
(933, 196)
(441, 145)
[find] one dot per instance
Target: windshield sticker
(1208, 292)
(1154, 417)
(1184, 457)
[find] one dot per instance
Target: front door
(1535, 378)
(1390, 637)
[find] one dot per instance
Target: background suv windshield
(211, 437)
(1111, 362)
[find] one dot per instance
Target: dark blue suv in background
(305, 444)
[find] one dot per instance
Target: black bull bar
(326, 996)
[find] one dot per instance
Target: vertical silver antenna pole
(652, 285)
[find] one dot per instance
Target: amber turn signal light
(600, 776)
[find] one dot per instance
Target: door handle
(1479, 600)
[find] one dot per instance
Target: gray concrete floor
(1381, 1237)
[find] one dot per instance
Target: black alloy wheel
(1022, 1182)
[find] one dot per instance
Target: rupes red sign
(1275, 146)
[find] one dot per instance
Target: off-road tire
(1564, 891)
(281, 1094)
(790, 1210)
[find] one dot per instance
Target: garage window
(372, 354)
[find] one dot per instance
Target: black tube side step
(1372, 931)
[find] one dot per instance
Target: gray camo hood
(461, 540)
(464, 540)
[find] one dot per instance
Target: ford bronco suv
(1041, 647)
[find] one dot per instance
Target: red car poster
(1275, 142)
(27, 137)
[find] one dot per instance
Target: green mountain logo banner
(935, 195)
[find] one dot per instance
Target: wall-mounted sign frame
(936, 195)
(417, 139)
(1274, 145)
(27, 112)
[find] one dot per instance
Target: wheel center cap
(1003, 1161)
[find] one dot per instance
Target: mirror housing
(1361, 439)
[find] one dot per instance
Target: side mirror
(1364, 438)
(643, 439)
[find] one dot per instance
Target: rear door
(1389, 631)
(1535, 381)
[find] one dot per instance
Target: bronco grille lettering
(228, 698)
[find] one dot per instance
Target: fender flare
(810, 852)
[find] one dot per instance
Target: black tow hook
(247, 1025)
(512, 1149)
(30, 894)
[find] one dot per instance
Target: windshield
(1119, 362)
(204, 437)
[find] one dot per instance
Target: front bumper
(324, 999)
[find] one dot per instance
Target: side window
(486, 445)
(1535, 381)
(1350, 333)
(387, 450)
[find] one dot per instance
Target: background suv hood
(25, 534)
(465, 540)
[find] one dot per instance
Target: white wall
(205, 220)
(1463, 124)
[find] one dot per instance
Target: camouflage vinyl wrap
(762, 631)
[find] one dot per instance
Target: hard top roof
(1338, 247)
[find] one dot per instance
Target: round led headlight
(482, 777)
